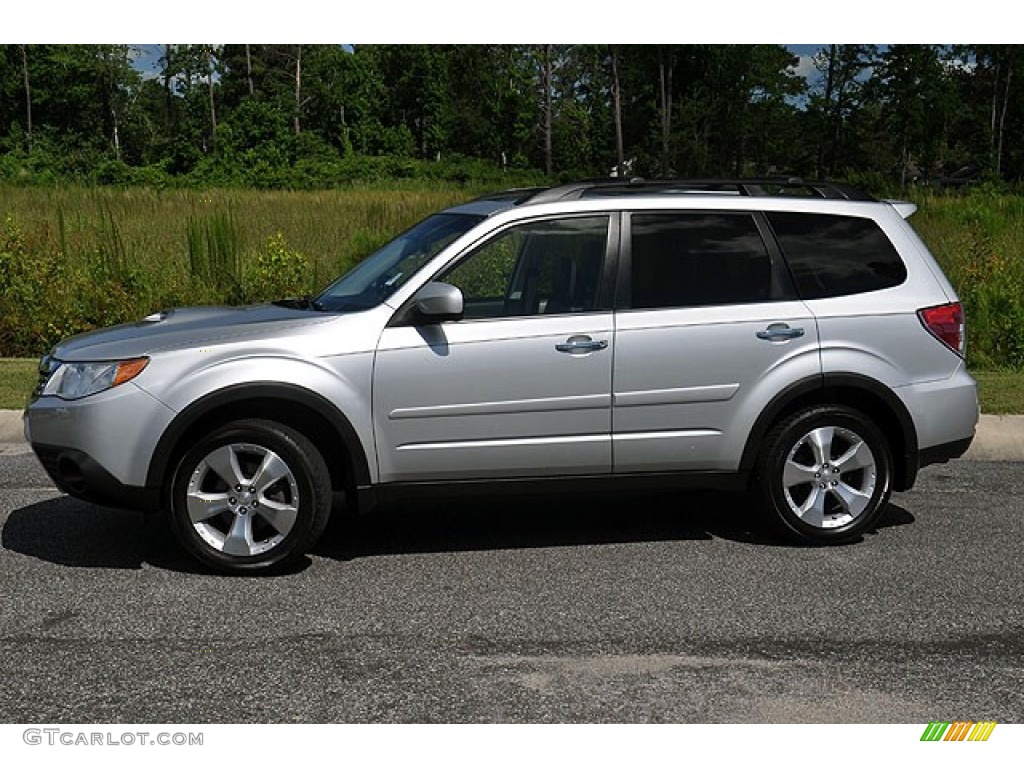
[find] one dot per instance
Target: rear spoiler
(903, 208)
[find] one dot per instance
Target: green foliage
(45, 298)
(74, 259)
(979, 241)
(278, 272)
(321, 116)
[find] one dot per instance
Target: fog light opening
(71, 474)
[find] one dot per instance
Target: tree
(914, 93)
(844, 70)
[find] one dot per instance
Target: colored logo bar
(959, 730)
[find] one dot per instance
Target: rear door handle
(780, 332)
(580, 345)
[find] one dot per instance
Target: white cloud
(805, 68)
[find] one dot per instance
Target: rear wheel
(825, 473)
(252, 496)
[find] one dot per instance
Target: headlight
(72, 381)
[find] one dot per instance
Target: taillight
(946, 323)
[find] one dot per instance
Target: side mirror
(435, 302)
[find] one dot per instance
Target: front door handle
(580, 345)
(780, 332)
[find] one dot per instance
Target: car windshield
(384, 271)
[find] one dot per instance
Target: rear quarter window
(836, 255)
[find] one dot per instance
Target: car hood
(195, 326)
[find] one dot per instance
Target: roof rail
(763, 187)
(517, 195)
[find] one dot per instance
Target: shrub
(278, 272)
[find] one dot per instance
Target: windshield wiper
(302, 302)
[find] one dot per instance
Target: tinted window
(695, 259)
(836, 255)
(544, 267)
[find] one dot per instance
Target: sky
(147, 60)
(519, 21)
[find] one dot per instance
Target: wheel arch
(312, 414)
(862, 393)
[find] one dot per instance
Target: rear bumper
(945, 416)
(934, 454)
(77, 474)
(940, 454)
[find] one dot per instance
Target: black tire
(825, 474)
(272, 516)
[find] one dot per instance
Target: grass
(158, 228)
(73, 259)
(1000, 391)
(17, 378)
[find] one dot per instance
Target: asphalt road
(661, 608)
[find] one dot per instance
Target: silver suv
(795, 338)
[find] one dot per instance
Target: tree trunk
(248, 69)
(829, 83)
(1002, 118)
(298, 89)
(995, 108)
(213, 107)
(665, 69)
(168, 95)
(28, 97)
(117, 132)
(620, 155)
(108, 58)
(546, 78)
(904, 161)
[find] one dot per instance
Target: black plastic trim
(624, 279)
(856, 381)
(390, 493)
(610, 268)
(940, 454)
(289, 393)
(783, 282)
(77, 474)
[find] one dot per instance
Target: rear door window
(683, 259)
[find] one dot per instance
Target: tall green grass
(72, 259)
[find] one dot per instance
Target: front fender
(336, 389)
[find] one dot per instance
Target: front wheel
(826, 474)
(252, 496)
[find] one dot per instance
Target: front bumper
(99, 448)
(78, 474)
